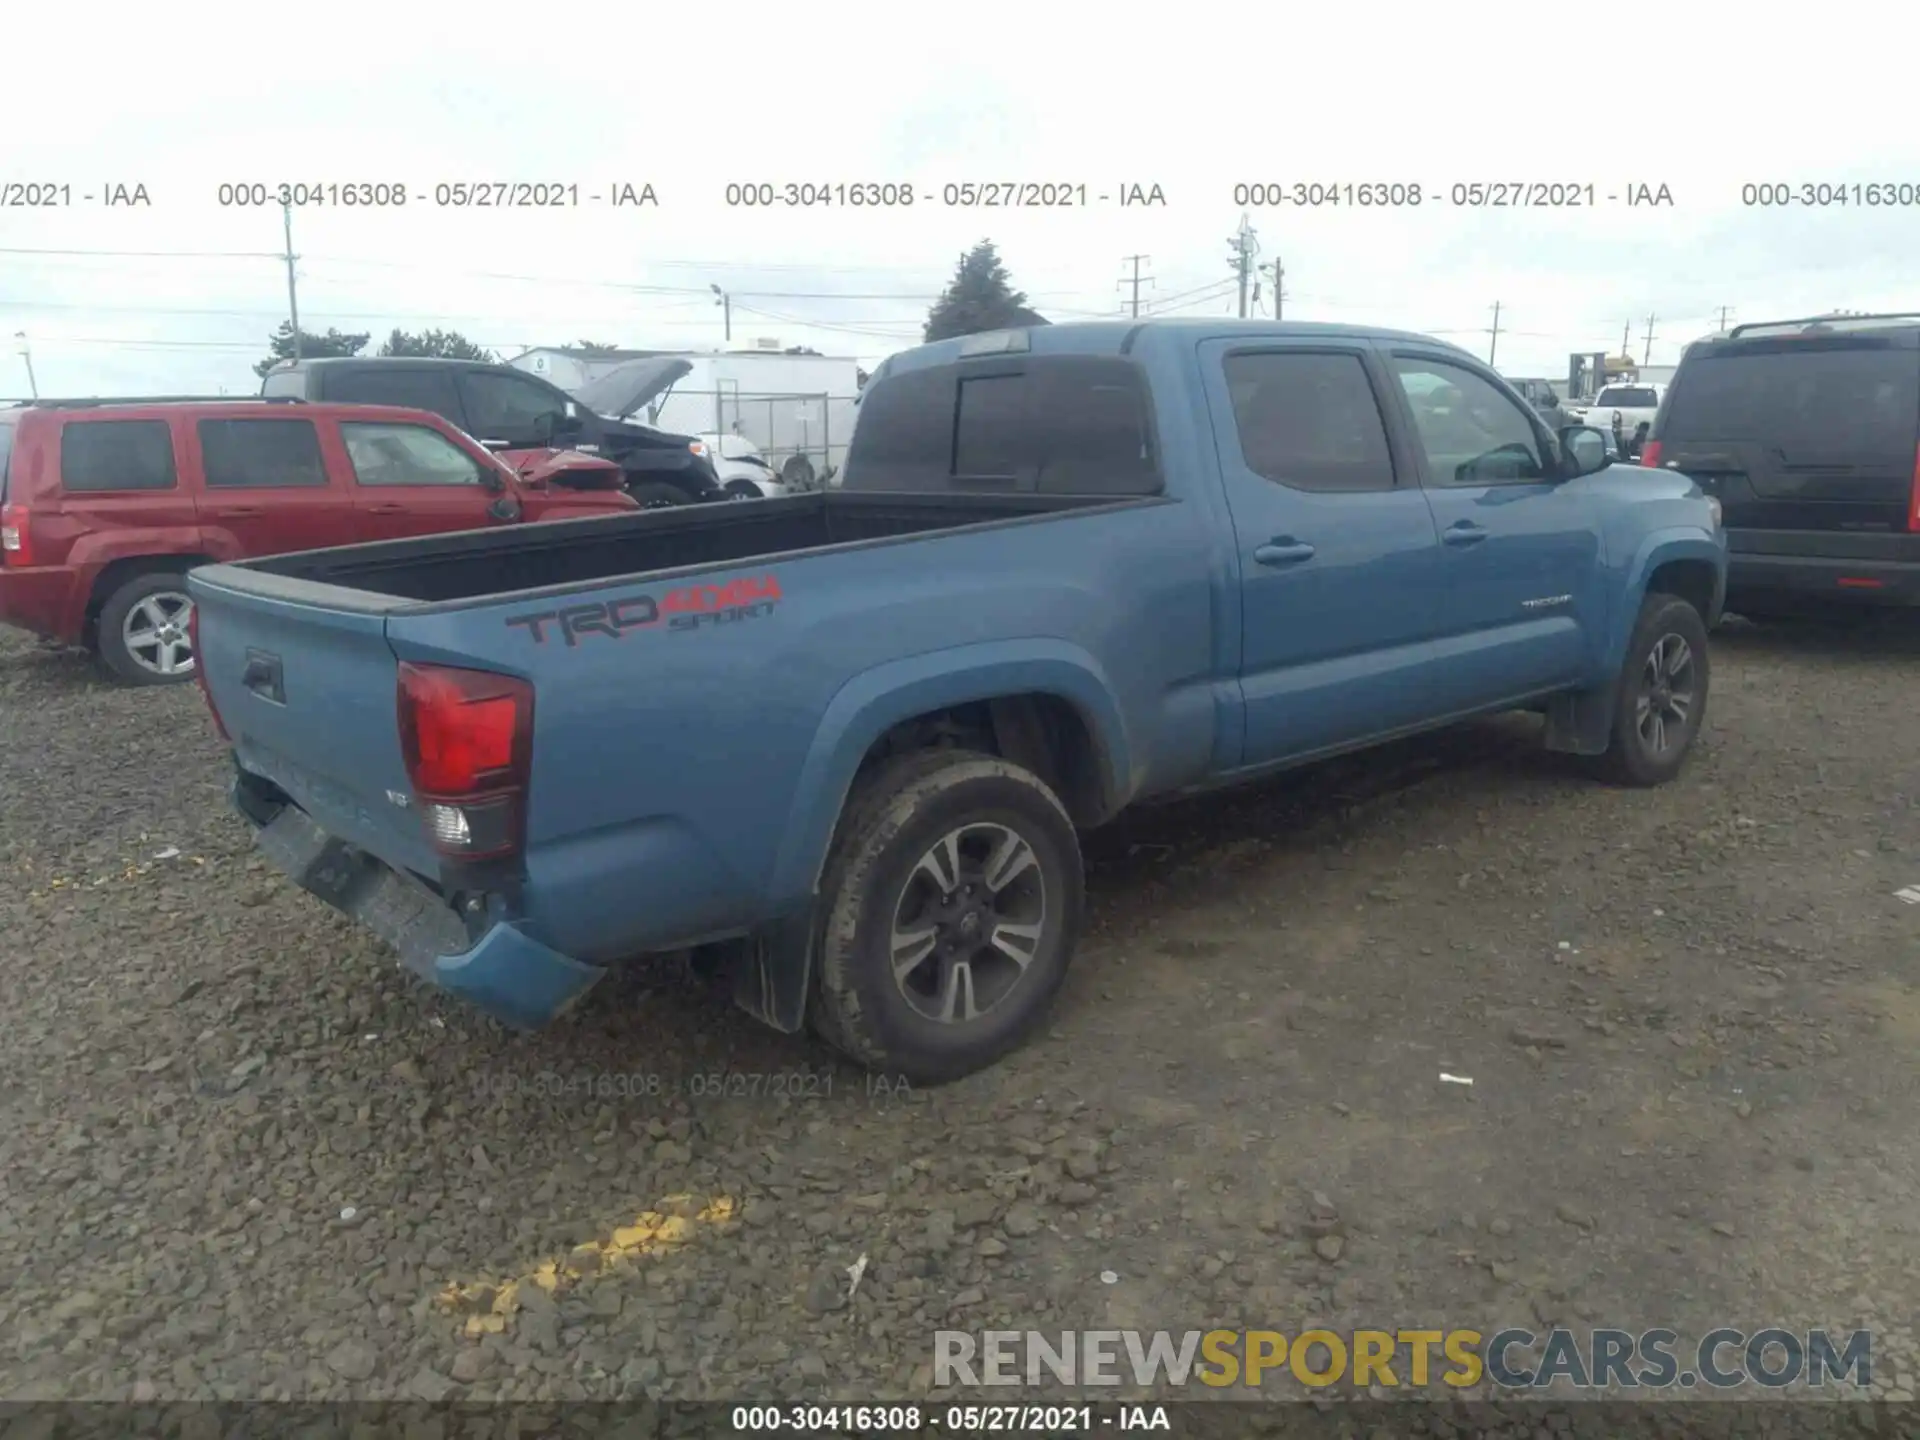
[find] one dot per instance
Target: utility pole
(1135, 281)
(1279, 286)
(1724, 311)
(725, 302)
(1647, 357)
(1626, 338)
(1493, 344)
(1240, 255)
(26, 354)
(293, 298)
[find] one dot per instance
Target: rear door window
(1801, 400)
(108, 455)
(1309, 421)
(416, 387)
(261, 454)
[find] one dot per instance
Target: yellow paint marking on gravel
(489, 1305)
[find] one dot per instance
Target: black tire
(657, 495)
(744, 490)
(1643, 752)
(122, 661)
(906, 810)
(797, 471)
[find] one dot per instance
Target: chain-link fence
(802, 436)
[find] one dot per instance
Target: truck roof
(1118, 337)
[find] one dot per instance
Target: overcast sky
(1193, 98)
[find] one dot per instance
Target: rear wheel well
(1039, 732)
(1691, 580)
(117, 572)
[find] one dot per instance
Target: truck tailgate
(308, 679)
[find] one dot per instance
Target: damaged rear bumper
(497, 968)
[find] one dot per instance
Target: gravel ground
(242, 1156)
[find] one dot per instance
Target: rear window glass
(1061, 425)
(261, 454)
(6, 454)
(1629, 397)
(1801, 401)
(116, 455)
(987, 438)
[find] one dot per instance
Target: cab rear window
(1058, 425)
(1628, 397)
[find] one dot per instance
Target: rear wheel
(743, 490)
(655, 495)
(143, 634)
(1661, 698)
(797, 472)
(952, 908)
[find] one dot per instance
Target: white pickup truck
(1621, 410)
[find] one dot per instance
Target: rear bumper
(40, 599)
(499, 970)
(1881, 570)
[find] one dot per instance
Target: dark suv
(1808, 431)
(511, 412)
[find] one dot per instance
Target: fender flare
(1662, 547)
(876, 700)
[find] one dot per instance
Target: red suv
(106, 504)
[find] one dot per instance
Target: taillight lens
(467, 736)
(16, 545)
(1650, 454)
(200, 672)
(1913, 495)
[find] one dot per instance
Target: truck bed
(480, 564)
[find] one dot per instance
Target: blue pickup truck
(847, 740)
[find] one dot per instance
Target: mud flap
(773, 970)
(1580, 722)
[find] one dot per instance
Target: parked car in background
(1209, 551)
(520, 415)
(1621, 410)
(1808, 431)
(106, 504)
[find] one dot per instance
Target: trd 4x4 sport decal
(697, 607)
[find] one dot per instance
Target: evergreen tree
(981, 297)
(312, 347)
(434, 344)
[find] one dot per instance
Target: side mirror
(507, 507)
(1586, 450)
(568, 422)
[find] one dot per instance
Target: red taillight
(1650, 454)
(467, 736)
(200, 672)
(1913, 495)
(16, 540)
